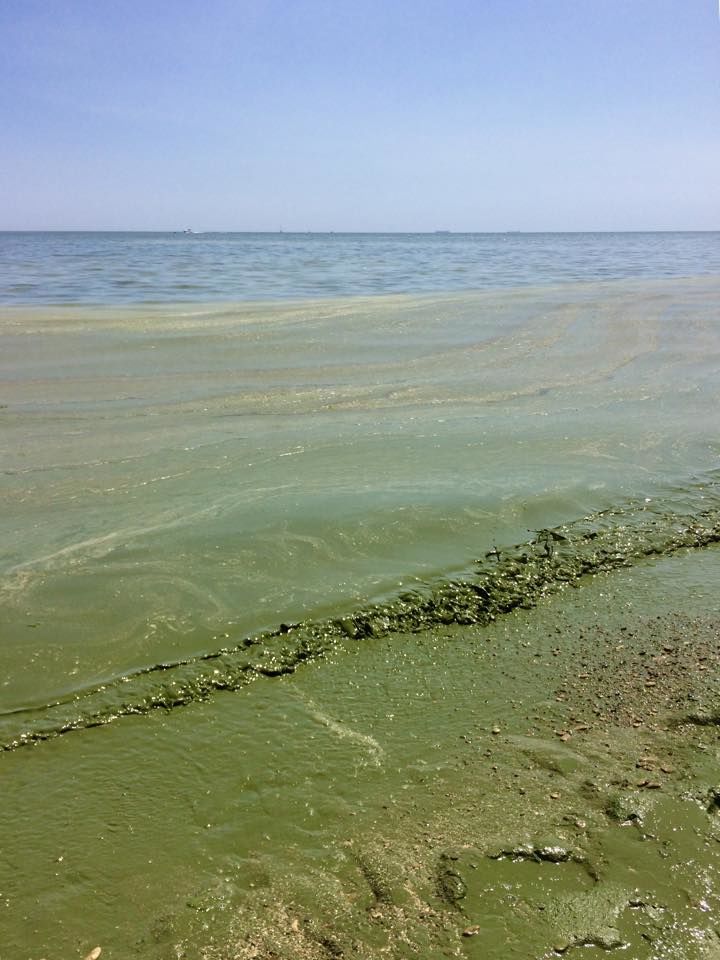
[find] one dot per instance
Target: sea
(230, 459)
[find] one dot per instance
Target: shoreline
(583, 816)
(539, 785)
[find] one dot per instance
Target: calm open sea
(208, 439)
(106, 268)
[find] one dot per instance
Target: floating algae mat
(515, 577)
(373, 626)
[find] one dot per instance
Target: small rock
(471, 931)
(553, 854)
(94, 953)
(646, 763)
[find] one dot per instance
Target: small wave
(503, 580)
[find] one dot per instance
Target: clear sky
(360, 114)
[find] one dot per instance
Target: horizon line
(281, 232)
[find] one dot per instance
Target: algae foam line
(506, 578)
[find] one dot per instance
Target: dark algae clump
(504, 580)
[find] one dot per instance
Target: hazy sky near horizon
(360, 114)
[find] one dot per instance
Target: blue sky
(360, 114)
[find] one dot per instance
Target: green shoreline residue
(503, 580)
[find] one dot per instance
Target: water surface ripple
(121, 267)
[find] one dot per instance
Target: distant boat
(188, 230)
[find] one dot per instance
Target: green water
(178, 480)
(159, 835)
(178, 474)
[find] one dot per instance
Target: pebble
(471, 931)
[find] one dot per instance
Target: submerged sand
(578, 809)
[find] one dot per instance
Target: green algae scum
(519, 577)
(383, 626)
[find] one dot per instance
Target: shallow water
(179, 478)
(308, 797)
